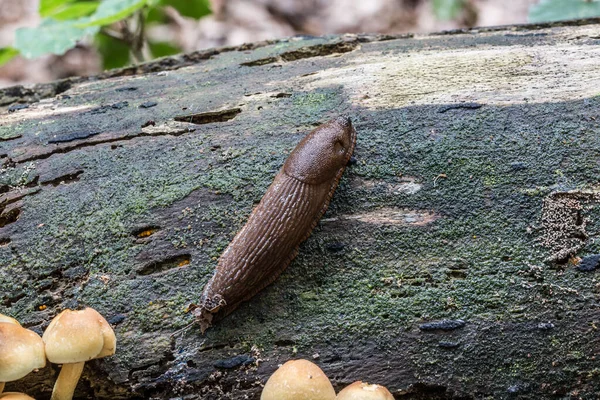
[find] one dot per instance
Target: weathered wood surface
(472, 196)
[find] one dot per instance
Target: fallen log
(458, 258)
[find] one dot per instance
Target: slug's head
(323, 153)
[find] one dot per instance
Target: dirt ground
(234, 22)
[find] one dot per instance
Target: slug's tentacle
(284, 218)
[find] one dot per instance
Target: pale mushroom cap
(6, 318)
(15, 396)
(79, 336)
(363, 391)
(21, 351)
(298, 380)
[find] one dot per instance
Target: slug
(284, 218)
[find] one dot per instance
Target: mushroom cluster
(21, 351)
(298, 380)
(363, 391)
(303, 380)
(15, 396)
(71, 339)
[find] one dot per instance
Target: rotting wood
(470, 145)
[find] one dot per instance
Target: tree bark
(457, 260)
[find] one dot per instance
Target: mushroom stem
(67, 381)
(1, 387)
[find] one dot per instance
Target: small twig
(134, 38)
(444, 176)
(112, 34)
(185, 328)
(138, 41)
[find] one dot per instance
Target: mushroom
(6, 318)
(363, 391)
(15, 396)
(21, 351)
(298, 380)
(72, 338)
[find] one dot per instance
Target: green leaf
(162, 49)
(75, 10)
(446, 10)
(111, 11)
(193, 9)
(50, 36)
(559, 10)
(7, 54)
(48, 7)
(115, 53)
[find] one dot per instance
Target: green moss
(18, 177)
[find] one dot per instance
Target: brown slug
(284, 218)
